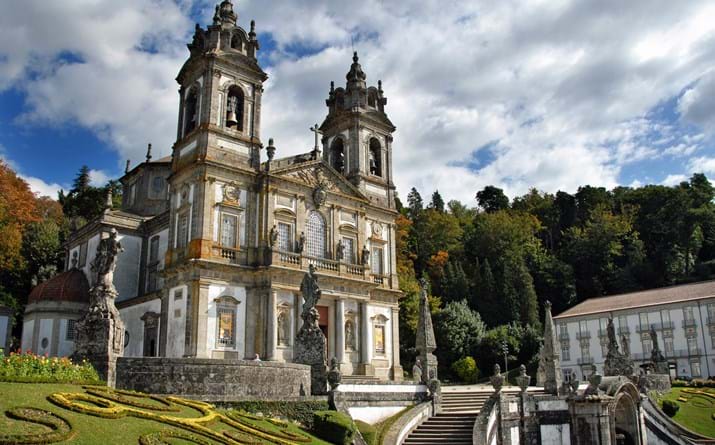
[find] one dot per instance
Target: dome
(71, 285)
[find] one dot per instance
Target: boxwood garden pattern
(235, 427)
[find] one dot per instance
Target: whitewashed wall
(131, 316)
(65, 347)
(28, 327)
(4, 321)
(126, 275)
(46, 325)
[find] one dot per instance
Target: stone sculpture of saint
(365, 256)
(349, 336)
(612, 342)
(273, 236)
(310, 290)
(625, 346)
(106, 260)
(339, 251)
(301, 242)
(417, 371)
(654, 340)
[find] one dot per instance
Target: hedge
(670, 407)
(368, 432)
(301, 412)
(334, 427)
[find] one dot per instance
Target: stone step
(442, 441)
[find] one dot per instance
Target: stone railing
(585, 360)
(228, 254)
(583, 334)
(407, 423)
(327, 266)
(486, 426)
(689, 322)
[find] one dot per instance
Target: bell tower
(357, 136)
(220, 95)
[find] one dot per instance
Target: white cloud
(702, 164)
(672, 180)
(98, 178)
(561, 90)
(42, 188)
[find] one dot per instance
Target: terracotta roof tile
(651, 297)
(71, 285)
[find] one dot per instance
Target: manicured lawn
(138, 416)
(696, 412)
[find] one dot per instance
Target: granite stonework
(310, 344)
(100, 330)
(213, 380)
(617, 362)
(551, 355)
(426, 343)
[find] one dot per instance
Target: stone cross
(315, 129)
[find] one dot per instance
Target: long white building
(683, 316)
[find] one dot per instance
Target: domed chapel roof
(71, 286)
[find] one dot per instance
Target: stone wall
(214, 380)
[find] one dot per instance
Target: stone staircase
(455, 423)
(359, 379)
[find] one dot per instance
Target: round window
(44, 343)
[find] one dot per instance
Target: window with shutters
(182, 230)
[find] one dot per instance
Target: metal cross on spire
(316, 150)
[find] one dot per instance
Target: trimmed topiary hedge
(368, 432)
(670, 407)
(301, 412)
(334, 427)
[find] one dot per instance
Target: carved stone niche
(350, 331)
(379, 334)
(283, 324)
(231, 194)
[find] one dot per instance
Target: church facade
(217, 237)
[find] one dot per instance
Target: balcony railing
(564, 336)
(585, 360)
(582, 335)
(689, 323)
(624, 330)
(229, 254)
(328, 266)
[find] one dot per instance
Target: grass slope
(91, 430)
(696, 412)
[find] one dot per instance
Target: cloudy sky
(550, 94)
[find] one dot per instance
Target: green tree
(458, 331)
(437, 202)
(492, 199)
(414, 203)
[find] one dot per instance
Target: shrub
(32, 368)
(334, 427)
(678, 383)
(466, 369)
(301, 412)
(368, 432)
(670, 407)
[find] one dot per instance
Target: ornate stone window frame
(284, 313)
(288, 217)
(228, 306)
(151, 320)
(379, 325)
(224, 91)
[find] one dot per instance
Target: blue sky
(519, 94)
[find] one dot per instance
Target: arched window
(234, 108)
(236, 42)
(191, 109)
(375, 157)
(371, 99)
(337, 155)
(316, 233)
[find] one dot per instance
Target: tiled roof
(652, 297)
(71, 285)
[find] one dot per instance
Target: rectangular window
(565, 351)
(583, 326)
(603, 322)
(711, 312)
(71, 330)
(226, 327)
(585, 350)
(665, 315)
(563, 331)
(647, 345)
(688, 314)
(692, 345)
(285, 237)
(153, 266)
(695, 367)
(229, 230)
(379, 331)
(348, 250)
(83, 254)
(668, 347)
(604, 347)
(132, 194)
(623, 323)
(154, 249)
(643, 317)
(182, 230)
(376, 261)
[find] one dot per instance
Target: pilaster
(397, 373)
(271, 319)
(340, 330)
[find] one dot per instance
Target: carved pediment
(317, 175)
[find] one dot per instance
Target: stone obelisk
(551, 355)
(426, 343)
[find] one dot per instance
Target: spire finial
(148, 153)
(332, 86)
(355, 57)
(126, 168)
(379, 86)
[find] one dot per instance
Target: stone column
(365, 344)
(200, 306)
(340, 330)
(397, 374)
(271, 337)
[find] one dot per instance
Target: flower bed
(32, 368)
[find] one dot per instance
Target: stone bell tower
(357, 138)
(220, 95)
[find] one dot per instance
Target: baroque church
(217, 237)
